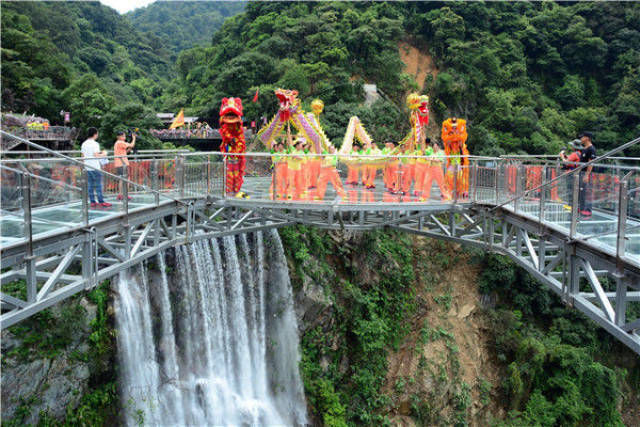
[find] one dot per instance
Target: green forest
(182, 25)
(527, 76)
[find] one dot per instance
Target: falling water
(213, 342)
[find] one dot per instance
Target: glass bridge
(46, 195)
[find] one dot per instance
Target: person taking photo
(120, 150)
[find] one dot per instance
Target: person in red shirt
(570, 162)
(572, 159)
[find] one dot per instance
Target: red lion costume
(233, 142)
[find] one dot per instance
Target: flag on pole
(178, 120)
(255, 97)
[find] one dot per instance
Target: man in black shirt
(587, 154)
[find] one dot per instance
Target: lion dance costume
(233, 142)
(454, 136)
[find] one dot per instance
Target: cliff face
(60, 365)
(410, 331)
(433, 356)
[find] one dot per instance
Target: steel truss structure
(573, 269)
(107, 248)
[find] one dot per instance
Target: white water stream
(215, 341)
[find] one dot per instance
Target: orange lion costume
(454, 136)
(233, 141)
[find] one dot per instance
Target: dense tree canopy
(527, 76)
(179, 25)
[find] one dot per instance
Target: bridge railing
(531, 187)
(36, 154)
(553, 195)
(361, 179)
(44, 195)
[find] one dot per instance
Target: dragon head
(423, 107)
(423, 110)
(231, 110)
(288, 98)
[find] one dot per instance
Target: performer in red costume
(233, 141)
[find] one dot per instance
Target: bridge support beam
(109, 248)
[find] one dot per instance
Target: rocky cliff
(394, 329)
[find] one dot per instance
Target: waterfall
(214, 341)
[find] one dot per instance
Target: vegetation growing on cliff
(558, 368)
(561, 368)
(63, 334)
(368, 320)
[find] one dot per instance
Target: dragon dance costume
(418, 118)
(303, 172)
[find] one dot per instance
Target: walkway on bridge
(526, 209)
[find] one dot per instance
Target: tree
(127, 117)
(87, 100)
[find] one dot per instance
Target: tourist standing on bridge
(329, 174)
(435, 173)
(391, 167)
(570, 162)
(587, 154)
(91, 154)
(120, 150)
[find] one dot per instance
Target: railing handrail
(555, 156)
(86, 166)
(80, 151)
(111, 157)
(568, 173)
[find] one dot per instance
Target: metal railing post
(274, 179)
(84, 184)
(623, 200)
(519, 169)
(125, 188)
(154, 181)
(456, 170)
(574, 206)
(495, 179)
(475, 182)
(30, 265)
(180, 174)
(543, 177)
(224, 176)
(208, 174)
